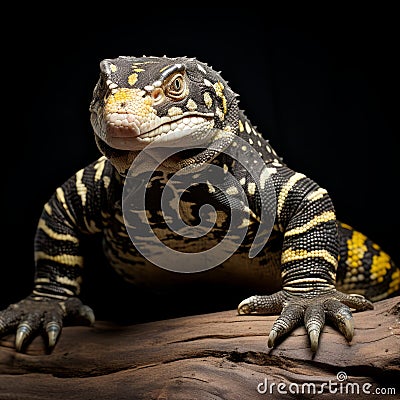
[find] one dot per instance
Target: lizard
(312, 267)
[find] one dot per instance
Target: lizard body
(310, 262)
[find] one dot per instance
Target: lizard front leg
(306, 217)
(74, 210)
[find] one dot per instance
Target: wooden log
(210, 356)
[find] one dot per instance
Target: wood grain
(210, 356)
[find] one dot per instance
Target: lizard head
(138, 101)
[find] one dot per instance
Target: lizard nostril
(157, 94)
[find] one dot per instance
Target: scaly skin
(311, 261)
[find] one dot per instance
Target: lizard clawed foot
(335, 305)
(32, 316)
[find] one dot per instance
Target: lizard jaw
(124, 133)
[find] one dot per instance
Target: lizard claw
(271, 338)
(87, 314)
(24, 330)
(244, 307)
(314, 320)
(314, 338)
(340, 315)
(53, 330)
(347, 329)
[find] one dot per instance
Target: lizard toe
(262, 304)
(9, 320)
(340, 314)
(314, 320)
(356, 302)
(290, 317)
(78, 313)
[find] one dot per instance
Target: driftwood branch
(210, 356)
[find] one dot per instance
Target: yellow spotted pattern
(133, 102)
(219, 90)
(356, 249)
(380, 265)
(207, 99)
(132, 79)
(394, 285)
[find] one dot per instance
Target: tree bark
(211, 356)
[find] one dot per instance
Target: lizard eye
(176, 87)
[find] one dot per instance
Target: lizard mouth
(176, 127)
(127, 125)
(124, 131)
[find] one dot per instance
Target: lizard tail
(364, 268)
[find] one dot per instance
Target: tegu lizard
(308, 266)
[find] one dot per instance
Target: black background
(320, 84)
